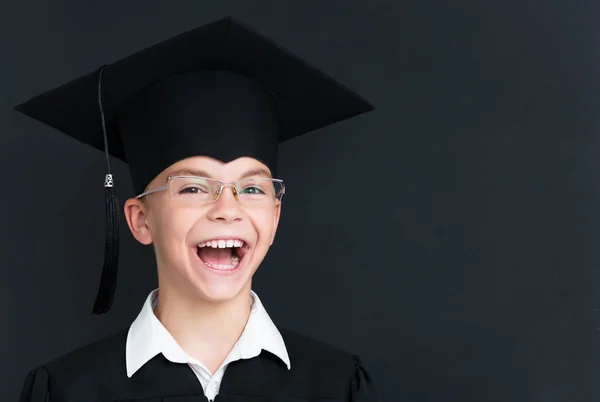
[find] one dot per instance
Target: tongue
(215, 256)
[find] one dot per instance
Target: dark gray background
(448, 237)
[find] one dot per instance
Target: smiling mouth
(222, 254)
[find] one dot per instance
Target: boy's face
(177, 228)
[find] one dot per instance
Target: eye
(194, 190)
(252, 190)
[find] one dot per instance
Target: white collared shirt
(147, 338)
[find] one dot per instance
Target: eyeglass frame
(232, 184)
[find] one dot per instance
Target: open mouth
(222, 254)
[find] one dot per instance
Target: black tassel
(108, 280)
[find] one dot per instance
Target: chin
(219, 294)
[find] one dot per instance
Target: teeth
(222, 243)
(234, 263)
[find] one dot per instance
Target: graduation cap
(221, 90)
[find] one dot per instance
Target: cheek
(264, 222)
(173, 226)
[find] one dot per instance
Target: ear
(276, 222)
(137, 220)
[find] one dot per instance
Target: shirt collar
(147, 337)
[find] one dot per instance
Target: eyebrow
(202, 173)
(189, 172)
(256, 172)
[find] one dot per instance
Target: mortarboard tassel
(108, 281)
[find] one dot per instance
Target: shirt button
(215, 386)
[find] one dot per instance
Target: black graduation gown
(96, 373)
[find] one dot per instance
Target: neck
(205, 330)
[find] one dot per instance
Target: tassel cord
(108, 280)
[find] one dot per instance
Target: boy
(198, 119)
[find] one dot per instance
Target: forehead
(211, 167)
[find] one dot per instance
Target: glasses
(194, 189)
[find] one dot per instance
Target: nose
(226, 209)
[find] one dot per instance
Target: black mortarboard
(220, 90)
